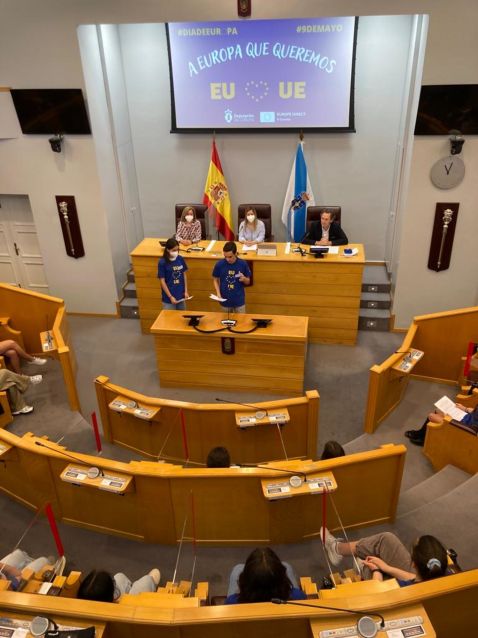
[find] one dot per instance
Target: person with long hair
(189, 228)
(251, 230)
(261, 578)
(384, 556)
(172, 275)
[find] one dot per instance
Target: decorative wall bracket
(442, 236)
(70, 226)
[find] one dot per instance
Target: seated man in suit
(326, 232)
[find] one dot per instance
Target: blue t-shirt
(229, 285)
(295, 594)
(173, 274)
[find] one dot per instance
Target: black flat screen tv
(51, 111)
(445, 107)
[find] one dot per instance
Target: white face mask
(189, 218)
(251, 218)
(173, 255)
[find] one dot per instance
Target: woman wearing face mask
(251, 230)
(189, 228)
(172, 275)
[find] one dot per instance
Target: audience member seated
(417, 437)
(262, 578)
(384, 556)
(16, 385)
(251, 230)
(326, 232)
(189, 228)
(15, 353)
(12, 565)
(218, 457)
(102, 587)
(332, 450)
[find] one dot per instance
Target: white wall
(39, 47)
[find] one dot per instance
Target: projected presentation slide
(262, 74)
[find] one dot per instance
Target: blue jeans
(238, 569)
(172, 306)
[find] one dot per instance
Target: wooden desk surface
(151, 247)
(172, 322)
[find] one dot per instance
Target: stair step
(130, 275)
(430, 489)
(129, 308)
(374, 320)
(130, 290)
(375, 275)
(376, 287)
(374, 300)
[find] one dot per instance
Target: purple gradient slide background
(327, 95)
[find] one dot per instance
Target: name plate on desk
(267, 249)
(122, 404)
(319, 484)
(271, 417)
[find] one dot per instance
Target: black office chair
(314, 212)
(201, 215)
(264, 213)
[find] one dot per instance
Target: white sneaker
(38, 362)
(35, 379)
(331, 547)
(26, 410)
(155, 575)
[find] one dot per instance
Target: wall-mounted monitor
(263, 75)
(445, 107)
(51, 111)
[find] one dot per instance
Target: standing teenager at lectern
(172, 275)
(230, 275)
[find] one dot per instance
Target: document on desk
(333, 250)
(447, 406)
(287, 248)
(210, 245)
(246, 249)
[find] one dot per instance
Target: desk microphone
(260, 413)
(92, 472)
(366, 627)
(296, 478)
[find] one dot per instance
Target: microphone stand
(364, 619)
(260, 413)
(92, 472)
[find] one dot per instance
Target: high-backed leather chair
(201, 214)
(264, 213)
(314, 212)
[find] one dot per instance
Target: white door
(21, 262)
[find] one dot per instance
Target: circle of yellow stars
(257, 91)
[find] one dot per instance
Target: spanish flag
(216, 196)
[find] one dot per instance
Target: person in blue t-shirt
(230, 275)
(262, 578)
(172, 275)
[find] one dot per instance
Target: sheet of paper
(185, 298)
(246, 249)
(287, 248)
(216, 298)
(447, 406)
(333, 250)
(210, 245)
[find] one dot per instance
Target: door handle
(17, 252)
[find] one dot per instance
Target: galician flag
(299, 195)
(216, 196)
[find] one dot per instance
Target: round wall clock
(448, 172)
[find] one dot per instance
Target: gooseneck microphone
(92, 472)
(366, 627)
(260, 412)
(293, 473)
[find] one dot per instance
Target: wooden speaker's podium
(208, 355)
